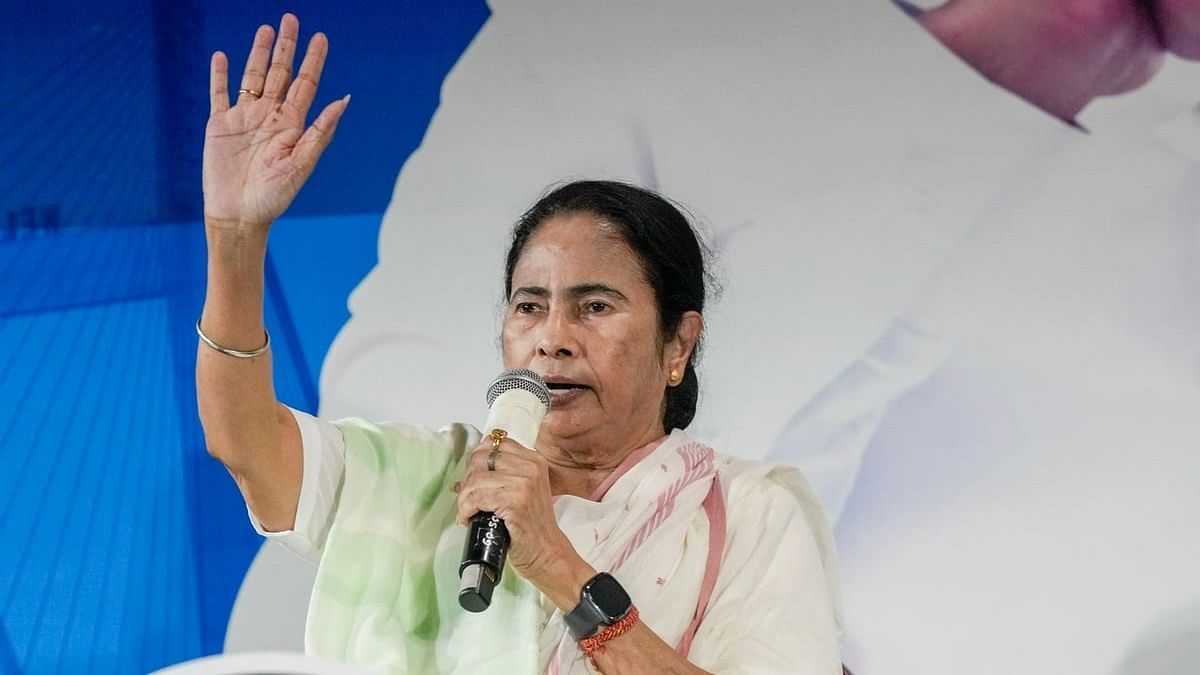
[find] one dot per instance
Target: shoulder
(772, 506)
(749, 486)
(775, 530)
(752, 485)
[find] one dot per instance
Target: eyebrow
(574, 291)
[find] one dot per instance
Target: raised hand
(258, 153)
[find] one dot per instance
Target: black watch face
(609, 597)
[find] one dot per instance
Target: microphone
(518, 400)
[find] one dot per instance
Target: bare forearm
(233, 304)
(637, 651)
(236, 396)
(641, 651)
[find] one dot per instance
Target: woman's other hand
(258, 153)
(519, 492)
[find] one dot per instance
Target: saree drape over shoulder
(729, 561)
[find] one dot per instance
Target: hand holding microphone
(513, 484)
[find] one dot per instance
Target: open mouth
(564, 392)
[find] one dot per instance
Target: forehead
(576, 245)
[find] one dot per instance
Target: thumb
(318, 136)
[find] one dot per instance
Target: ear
(682, 344)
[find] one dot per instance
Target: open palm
(258, 153)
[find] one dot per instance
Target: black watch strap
(585, 620)
(602, 602)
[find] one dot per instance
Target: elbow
(237, 439)
(224, 444)
(224, 452)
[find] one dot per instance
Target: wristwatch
(602, 602)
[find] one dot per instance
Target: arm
(519, 492)
(257, 154)
(775, 607)
(638, 651)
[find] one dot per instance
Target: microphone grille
(518, 378)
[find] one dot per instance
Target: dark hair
(671, 255)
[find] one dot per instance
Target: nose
(557, 339)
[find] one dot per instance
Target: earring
(674, 377)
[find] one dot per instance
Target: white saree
(728, 561)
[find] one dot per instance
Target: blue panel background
(125, 543)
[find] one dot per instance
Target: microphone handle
(483, 561)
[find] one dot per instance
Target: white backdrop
(975, 327)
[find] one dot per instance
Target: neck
(1058, 56)
(577, 481)
(580, 471)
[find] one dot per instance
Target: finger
(255, 73)
(477, 460)
(279, 76)
(509, 471)
(493, 480)
(510, 444)
(473, 499)
(512, 459)
(304, 88)
(218, 83)
(317, 137)
(523, 460)
(467, 508)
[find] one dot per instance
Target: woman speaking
(634, 549)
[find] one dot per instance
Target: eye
(597, 307)
(525, 307)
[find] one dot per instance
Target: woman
(634, 548)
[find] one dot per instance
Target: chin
(563, 425)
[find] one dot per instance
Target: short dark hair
(671, 254)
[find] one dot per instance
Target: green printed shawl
(386, 590)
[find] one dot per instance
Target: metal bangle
(233, 352)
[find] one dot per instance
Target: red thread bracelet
(595, 644)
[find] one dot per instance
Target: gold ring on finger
(255, 94)
(497, 436)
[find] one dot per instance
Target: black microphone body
(518, 400)
(484, 554)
